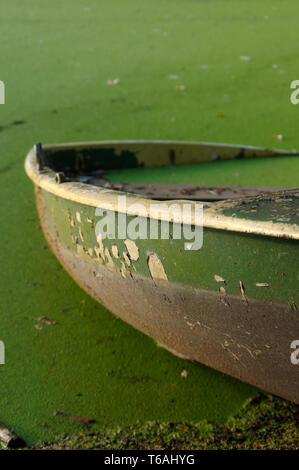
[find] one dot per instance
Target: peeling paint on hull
(249, 340)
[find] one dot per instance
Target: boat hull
(243, 330)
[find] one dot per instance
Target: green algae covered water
(278, 171)
(66, 355)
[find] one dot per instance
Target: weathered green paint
(283, 208)
(247, 337)
(249, 258)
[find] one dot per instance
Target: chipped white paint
(78, 217)
(156, 267)
(218, 278)
(203, 326)
(184, 374)
(123, 270)
(81, 235)
(109, 261)
(71, 220)
(100, 243)
(132, 249)
(114, 250)
(2, 92)
(242, 289)
(99, 254)
(126, 258)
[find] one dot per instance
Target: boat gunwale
(107, 199)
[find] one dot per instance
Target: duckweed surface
(152, 70)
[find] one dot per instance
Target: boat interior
(183, 167)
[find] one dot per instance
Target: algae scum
(66, 356)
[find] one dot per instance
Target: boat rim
(107, 199)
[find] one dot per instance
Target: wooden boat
(232, 304)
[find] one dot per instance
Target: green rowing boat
(226, 297)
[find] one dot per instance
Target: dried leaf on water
(81, 419)
(218, 278)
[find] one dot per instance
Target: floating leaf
(218, 278)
